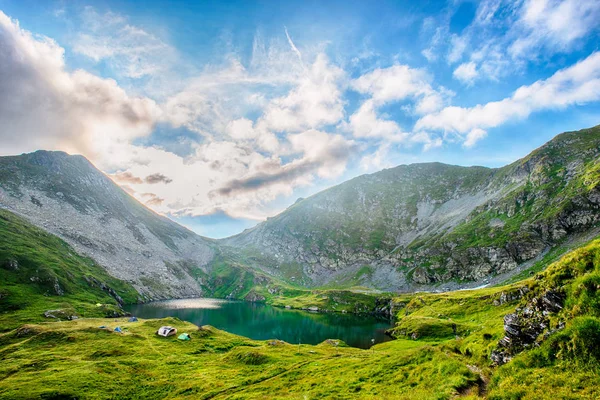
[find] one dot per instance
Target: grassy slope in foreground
(40, 272)
(429, 360)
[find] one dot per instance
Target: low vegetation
(443, 347)
(40, 272)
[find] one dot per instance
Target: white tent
(166, 331)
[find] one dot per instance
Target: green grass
(40, 272)
(538, 198)
(76, 358)
(442, 347)
(331, 300)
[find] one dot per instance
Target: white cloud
(318, 154)
(474, 136)
(458, 45)
(400, 82)
(429, 54)
(506, 36)
(129, 50)
(388, 85)
(329, 151)
(577, 84)
(376, 160)
(394, 83)
(426, 140)
(365, 123)
(553, 25)
(42, 105)
(293, 46)
(241, 129)
(466, 72)
(314, 102)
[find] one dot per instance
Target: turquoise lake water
(262, 322)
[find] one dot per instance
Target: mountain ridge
(405, 221)
(424, 226)
(67, 196)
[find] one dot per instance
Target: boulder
(61, 314)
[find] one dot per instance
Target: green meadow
(441, 350)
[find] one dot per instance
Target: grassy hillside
(428, 225)
(444, 347)
(67, 196)
(40, 272)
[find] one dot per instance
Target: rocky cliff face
(70, 198)
(425, 225)
(413, 227)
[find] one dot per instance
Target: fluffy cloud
(75, 111)
(505, 36)
(458, 45)
(553, 25)
(577, 84)
(377, 159)
(396, 83)
(387, 85)
(314, 102)
(474, 136)
(43, 105)
(466, 72)
(365, 123)
(324, 155)
(202, 182)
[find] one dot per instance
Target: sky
(219, 114)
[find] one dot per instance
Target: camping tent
(118, 329)
(184, 336)
(166, 331)
(133, 319)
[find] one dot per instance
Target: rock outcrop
(524, 327)
(425, 226)
(414, 227)
(67, 196)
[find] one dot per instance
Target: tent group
(167, 331)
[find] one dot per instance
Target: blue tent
(133, 319)
(118, 329)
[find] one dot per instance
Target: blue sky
(220, 114)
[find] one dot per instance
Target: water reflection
(262, 322)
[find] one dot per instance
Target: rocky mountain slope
(43, 277)
(67, 196)
(425, 225)
(413, 227)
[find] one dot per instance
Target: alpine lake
(263, 322)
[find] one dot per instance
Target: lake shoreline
(261, 321)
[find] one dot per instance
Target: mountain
(41, 275)
(414, 227)
(425, 226)
(67, 196)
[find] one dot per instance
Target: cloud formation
(239, 134)
(505, 36)
(76, 111)
(157, 178)
(466, 72)
(577, 84)
(129, 50)
(126, 177)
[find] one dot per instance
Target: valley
(77, 251)
(444, 348)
